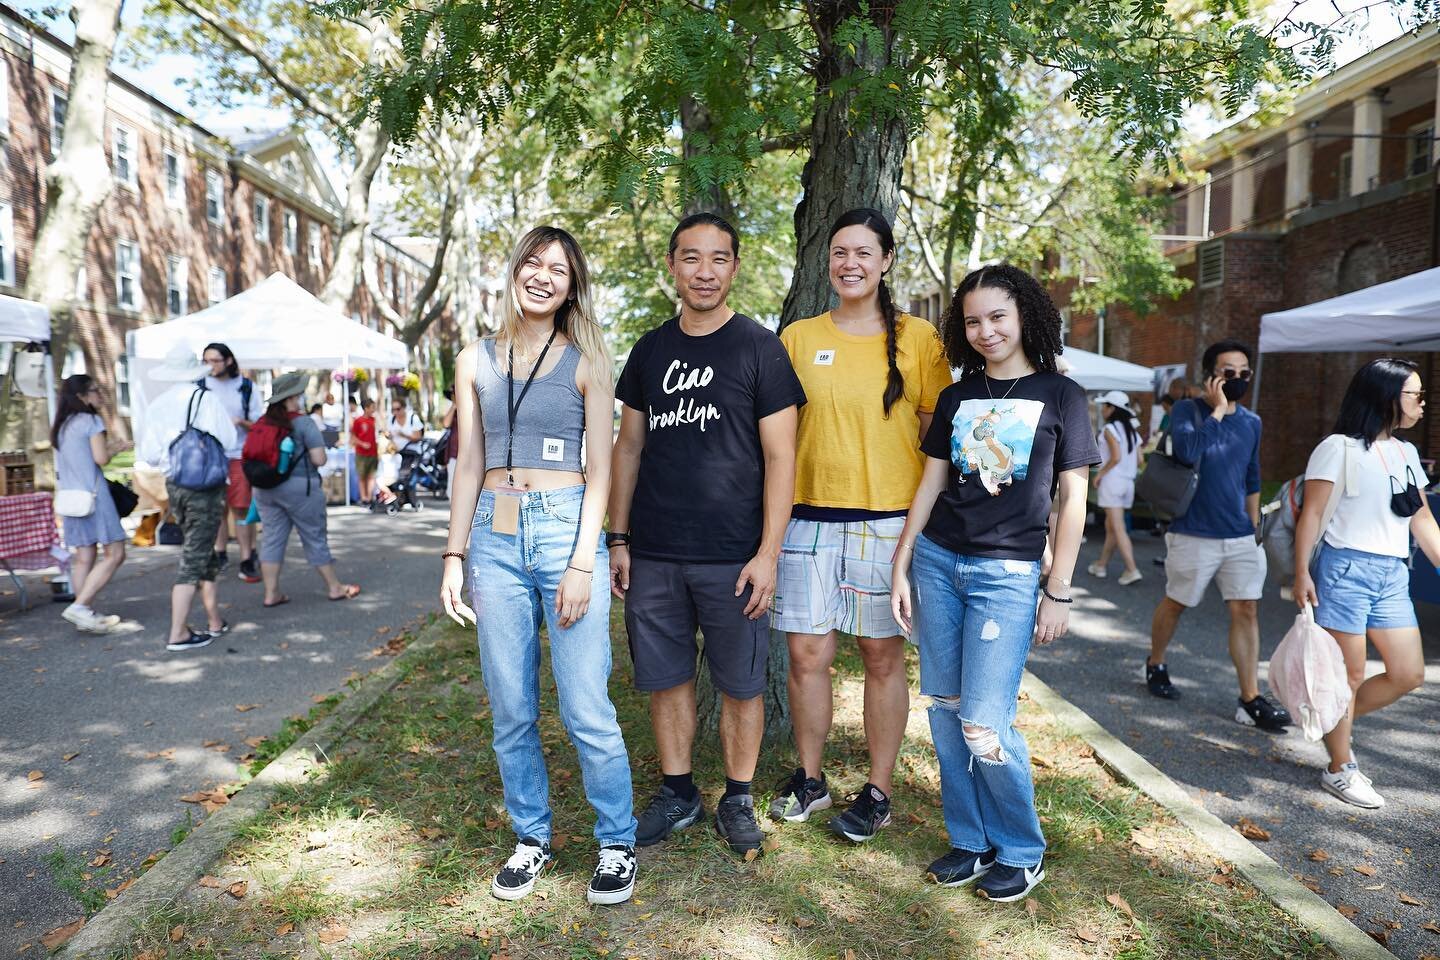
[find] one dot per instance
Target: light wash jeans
(975, 618)
(513, 582)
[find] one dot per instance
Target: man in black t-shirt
(701, 486)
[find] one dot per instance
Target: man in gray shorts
(701, 484)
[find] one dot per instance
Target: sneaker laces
(526, 857)
(614, 862)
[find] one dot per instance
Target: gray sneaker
(665, 814)
(735, 821)
(799, 796)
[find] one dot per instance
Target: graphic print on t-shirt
(680, 379)
(992, 439)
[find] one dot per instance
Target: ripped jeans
(975, 618)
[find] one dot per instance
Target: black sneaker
(735, 821)
(1157, 680)
(1263, 714)
(222, 558)
(517, 878)
(250, 570)
(192, 642)
(869, 811)
(959, 867)
(799, 796)
(665, 814)
(614, 879)
(1007, 884)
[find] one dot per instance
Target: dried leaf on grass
(214, 883)
(1119, 903)
(238, 889)
(61, 935)
(1032, 906)
(333, 933)
(177, 933)
(285, 929)
(1087, 935)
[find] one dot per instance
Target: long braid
(894, 381)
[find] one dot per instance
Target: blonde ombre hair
(576, 316)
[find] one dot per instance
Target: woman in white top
(1359, 583)
(1115, 483)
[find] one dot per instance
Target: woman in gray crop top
(525, 521)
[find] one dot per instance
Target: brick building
(192, 218)
(1339, 195)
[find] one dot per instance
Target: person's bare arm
(1112, 455)
(1425, 531)
(469, 467)
(932, 483)
(624, 471)
(1307, 532)
(925, 420)
(1052, 619)
(777, 448)
(572, 599)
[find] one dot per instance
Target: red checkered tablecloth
(28, 537)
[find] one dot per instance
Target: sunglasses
(1419, 395)
(1229, 373)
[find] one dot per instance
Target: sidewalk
(389, 850)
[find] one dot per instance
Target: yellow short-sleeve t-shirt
(849, 455)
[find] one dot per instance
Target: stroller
(421, 468)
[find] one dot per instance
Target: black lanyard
(512, 405)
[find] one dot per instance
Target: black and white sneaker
(249, 570)
(517, 878)
(799, 796)
(665, 814)
(735, 822)
(217, 634)
(1263, 714)
(194, 641)
(614, 879)
(1157, 681)
(869, 812)
(959, 867)
(1007, 884)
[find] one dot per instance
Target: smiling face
(542, 282)
(704, 266)
(992, 324)
(857, 262)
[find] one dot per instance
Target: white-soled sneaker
(1129, 577)
(88, 620)
(1097, 571)
(517, 878)
(1352, 786)
(614, 879)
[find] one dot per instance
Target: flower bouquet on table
(403, 381)
(352, 375)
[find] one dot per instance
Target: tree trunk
(372, 142)
(854, 161)
(695, 132)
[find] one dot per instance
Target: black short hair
(1372, 401)
(1212, 353)
(705, 219)
(316, 407)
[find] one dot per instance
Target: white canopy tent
(1401, 314)
(276, 323)
(1097, 373)
(25, 321)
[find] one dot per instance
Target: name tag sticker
(824, 358)
(552, 449)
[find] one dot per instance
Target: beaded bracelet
(452, 553)
(1052, 597)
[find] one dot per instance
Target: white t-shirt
(1129, 464)
(408, 422)
(165, 420)
(227, 391)
(1365, 521)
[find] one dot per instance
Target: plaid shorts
(836, 576)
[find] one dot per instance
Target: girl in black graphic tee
(1002, 440)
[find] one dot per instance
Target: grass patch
(388, 851)
(70, 875)
(291, 729)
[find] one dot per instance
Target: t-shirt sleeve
(1075, 446)
(630, 388)
(92, 425)
(1412, 457)
(307, 433)
(934, 368)
(1326, 459)
(937, 439)
(256, 406)
(776, 385)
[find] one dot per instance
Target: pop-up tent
(1401, 314)
(27, 322)
(1096, 372)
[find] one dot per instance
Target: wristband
(617, 539)
(580, 570)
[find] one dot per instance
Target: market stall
(1098, 373)
(29, 539)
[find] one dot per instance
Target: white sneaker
(1096, 571)
(87, 619)
(1352, 786)
(1129, 577)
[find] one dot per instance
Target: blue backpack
(197, 458)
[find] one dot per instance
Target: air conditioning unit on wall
(1210, 269)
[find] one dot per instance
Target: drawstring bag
(1307, 673)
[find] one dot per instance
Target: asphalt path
(1361, 861)
(138, 719)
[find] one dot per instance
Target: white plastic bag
(1307, 673)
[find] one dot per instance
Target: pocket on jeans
(482, 518)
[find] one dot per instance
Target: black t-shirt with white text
(700, 493)
(1006, 442)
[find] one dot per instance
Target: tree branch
(788, 141)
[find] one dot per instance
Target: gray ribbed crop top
(550, 424)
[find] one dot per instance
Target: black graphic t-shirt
(699, 495)
(1005, 455)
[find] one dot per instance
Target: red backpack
(261, 454)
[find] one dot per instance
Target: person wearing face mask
(1358, 583)
(1215, 538)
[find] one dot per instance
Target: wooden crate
(16, 478)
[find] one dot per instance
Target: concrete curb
(1267, 876)
(107, 933)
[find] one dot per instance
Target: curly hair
(1039, 320)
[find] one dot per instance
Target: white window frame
(1418, 149)
(290, 231)
(122, 384)
(174, 190)
(215, 193)
(215, 285)
(4, 97)
(59, 106)
(314, 241)
(7, 245)
(260, 210)
(177, 285)
(137, 295)
(131, 175)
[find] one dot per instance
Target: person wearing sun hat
(1115, 482)
(298, 501)
(198, 512)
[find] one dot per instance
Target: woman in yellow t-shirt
(871, 376)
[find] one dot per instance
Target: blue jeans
(513, 583)
(975, 618)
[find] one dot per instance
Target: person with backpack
(1115, 483)
(1358, 582)
(237, 395)
(186, 433)
(287, 488)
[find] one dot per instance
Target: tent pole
(345, 425)
(1255, 383)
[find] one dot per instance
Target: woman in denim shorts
(1359, 582)
(527, 513)
(1002, 440)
